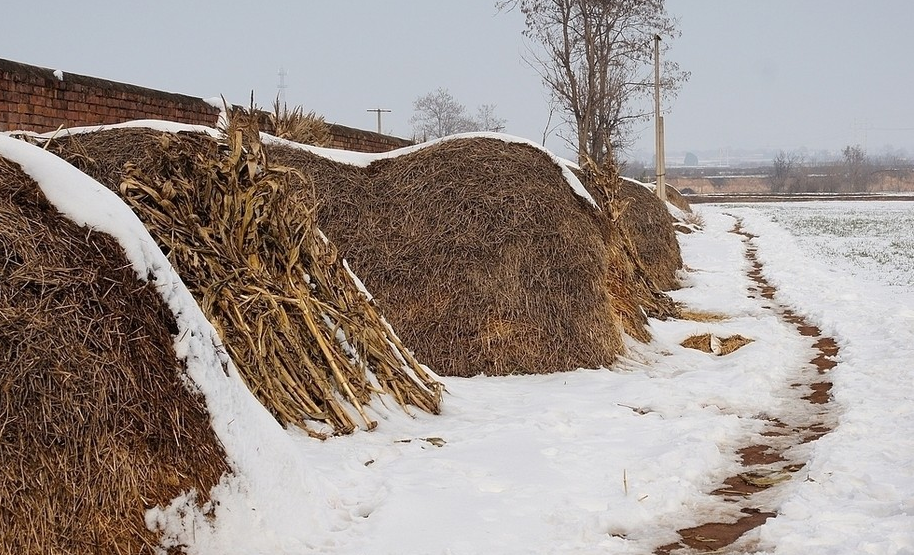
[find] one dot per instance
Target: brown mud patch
(820, 393)
(714, 536)
(759, 454)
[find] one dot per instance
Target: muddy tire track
(778, 454)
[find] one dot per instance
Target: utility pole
(659, 146)
(282, 86)
(379, 111)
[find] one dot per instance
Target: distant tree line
(854, 172)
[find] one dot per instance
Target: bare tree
(786, 173)
(856, 167)
(595, 61)
(438, 114)
(486, 120)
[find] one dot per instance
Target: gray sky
(779, 74)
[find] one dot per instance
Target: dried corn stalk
(308, 342)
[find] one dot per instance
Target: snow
(591, 461)
(154, 124)
(859, 496)
(362, 159)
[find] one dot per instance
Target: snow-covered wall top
(40, 99)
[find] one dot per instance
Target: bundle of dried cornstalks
(297, 125)
(645, 251)
(309, 343)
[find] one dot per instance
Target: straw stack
(96, 424)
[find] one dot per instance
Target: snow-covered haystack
(480, 252)
(674, 197)
(649, 225)
(307, 339)
(96, 422)
(645, 251)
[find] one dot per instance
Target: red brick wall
(360, 140)
(34, 99)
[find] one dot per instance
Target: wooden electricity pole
(659, 146)
(378, 111)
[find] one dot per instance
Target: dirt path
(782, 447)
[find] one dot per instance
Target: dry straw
(297, 125)
(96, 425)
(720, 346)
(646, 251)
(309, 344)
(484, 258)
(701, 316)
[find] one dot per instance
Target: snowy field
(873, 239)
(592, 461)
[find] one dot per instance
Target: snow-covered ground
(592, 461)
(859, 493)
(873, 239)
(616, 461)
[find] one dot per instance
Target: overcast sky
(780, 74)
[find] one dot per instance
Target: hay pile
(96, 425)
(674, 197)
(482, 256)
(649, 225)
(307, 341)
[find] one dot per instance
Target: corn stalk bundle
(646, 251)
(308, 342)
(296, 125)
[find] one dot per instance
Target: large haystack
(649, 225)
(479, 251)
(96, 424)
(674, 197)
(309, 344)
(643, 266)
